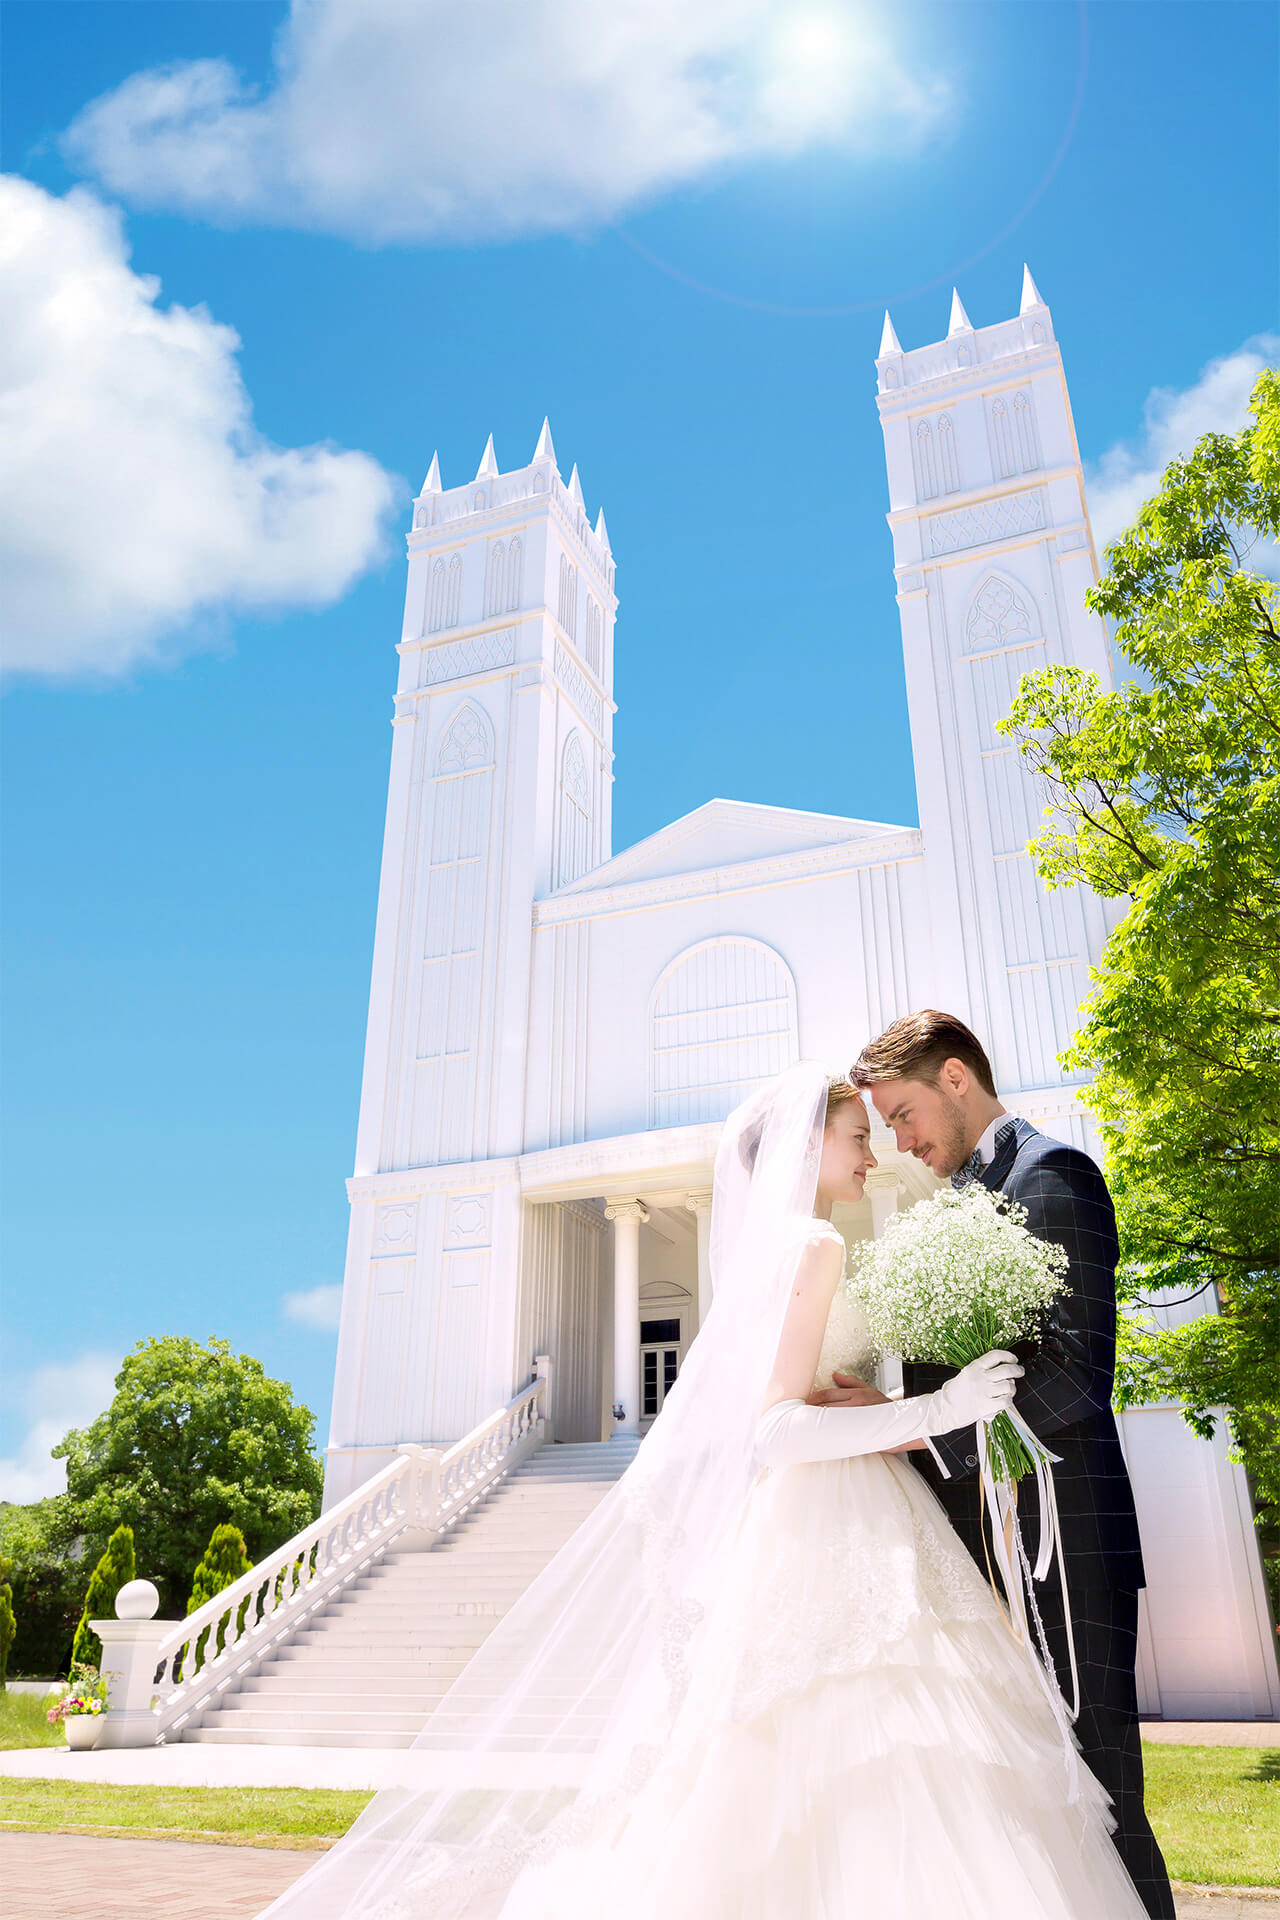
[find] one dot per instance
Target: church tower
(500, 786)
(993, 556)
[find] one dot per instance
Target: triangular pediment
(727, 833)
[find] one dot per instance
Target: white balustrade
(163, 1675)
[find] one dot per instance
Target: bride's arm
(789, 1432)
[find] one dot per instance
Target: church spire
(889, 342)
(602, 532)
(575, 488)
(488, 462)
(545, 450)
(959, 321)
(1031, 296)
(432, 482)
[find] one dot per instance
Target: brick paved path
(61, 1876)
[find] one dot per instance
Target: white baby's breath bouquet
(953, 1277)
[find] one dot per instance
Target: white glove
(792, 1434)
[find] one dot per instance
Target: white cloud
(426, 120)
(318, 1307)
(135, 495)
(54, 1399)
(1173, 420)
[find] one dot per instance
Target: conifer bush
(225, 1559)
(8, 1626)
(115, 1569)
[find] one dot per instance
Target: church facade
(556, 1031)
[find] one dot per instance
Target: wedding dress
(744, 1694)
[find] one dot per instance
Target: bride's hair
(840, 1090)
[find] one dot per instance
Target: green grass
(22, 1722)
(1216, 1812)
(247, 1816)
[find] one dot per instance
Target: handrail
(426, 1488)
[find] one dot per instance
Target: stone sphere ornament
(137, 1600)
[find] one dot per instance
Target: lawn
(245, 1816)
(22, 1722)
(1216, 1811)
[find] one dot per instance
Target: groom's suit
(1065, 1397)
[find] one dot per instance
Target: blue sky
(454, 225)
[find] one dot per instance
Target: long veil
(554, 1726)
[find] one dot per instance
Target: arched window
(573, 852)
(567, 611)
(1024, 426)
(436, 596)
(495, 580)
(926, 464)
(724, 1017)
(453, 599)
(595, 630)
(515, 572)
(948, 470)
(456, 881)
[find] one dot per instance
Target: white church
(556, 1029)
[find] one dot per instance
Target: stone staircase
(369, 1668)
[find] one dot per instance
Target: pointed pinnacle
(960, 321)
(575, 488)
(1031, 296)
(544, 449)
(489, 461)
(432, 482)
(602, 532)
(889, 342)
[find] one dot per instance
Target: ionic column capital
(698, 1200)
(626, 1210)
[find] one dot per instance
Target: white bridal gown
(861, 1735)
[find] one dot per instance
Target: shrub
(115, 1569)
(225, 1559)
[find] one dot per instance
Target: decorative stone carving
(1012, 513)
(395, 1227)
(997, 616)
(467, 743)
(468, 1220)
(578, 687)
(457, 658)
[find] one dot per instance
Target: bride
(764, 1681)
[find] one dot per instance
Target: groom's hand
(848, 1391)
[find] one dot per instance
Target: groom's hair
(915, 1047)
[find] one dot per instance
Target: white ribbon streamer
(1018, 1576)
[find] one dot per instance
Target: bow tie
(972, 1168)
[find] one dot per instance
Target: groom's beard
(952, 1143)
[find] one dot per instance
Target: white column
(699, 1204)
(882, 1189)
(626, 1216)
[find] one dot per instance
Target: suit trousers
(1105, 1624)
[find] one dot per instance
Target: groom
(931, 1083)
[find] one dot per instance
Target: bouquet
(953, 1277)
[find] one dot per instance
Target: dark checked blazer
(1065, 1393)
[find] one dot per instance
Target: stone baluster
(543, 1408)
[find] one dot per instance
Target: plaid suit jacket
(1065, 1393)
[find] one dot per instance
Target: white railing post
(546, 1412)
(130, 1646)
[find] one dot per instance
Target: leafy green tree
(1165, 798)
(195, 1435)
(8, 1623)
(46, 1572)
(224, 1561)
(113, 1571)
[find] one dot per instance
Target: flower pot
(82, 1731)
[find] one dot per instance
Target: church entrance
(660, 1351)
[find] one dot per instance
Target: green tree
(113, 1571)
(1165, 798)
(224, 1561)
(8, 1622)
(195, 1435)
(46, 1572)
